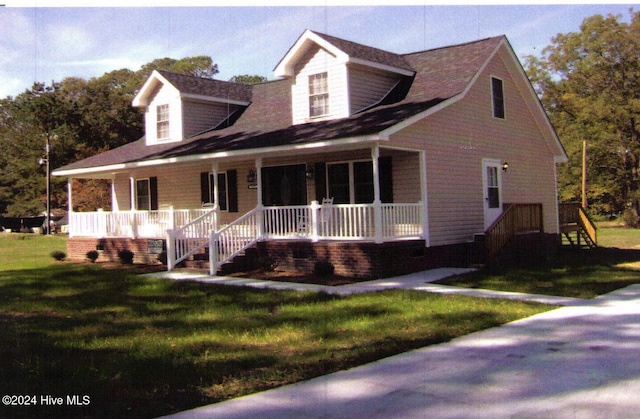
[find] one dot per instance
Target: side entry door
(492, 184)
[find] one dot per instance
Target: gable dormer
(178, 106)
(334, 78)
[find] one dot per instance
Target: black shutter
(386, 179)
(232, 193)
(153, 192)
(321, 180)
(204, 188)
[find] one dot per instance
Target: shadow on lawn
(145, 347)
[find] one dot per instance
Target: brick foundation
(77, 248)
(364, 259)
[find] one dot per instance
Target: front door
(492, 184)
(284, 185)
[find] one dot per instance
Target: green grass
(28, 251)
(573, 273)
(144, 347)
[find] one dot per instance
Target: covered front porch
(362, 194)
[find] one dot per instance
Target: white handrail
(190, 238)
(234, 238)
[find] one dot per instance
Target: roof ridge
(477, 41)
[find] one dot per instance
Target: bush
(323, 268)
(630, 218)
(92, 255)
(268, 264)
(125, 256)
(58, 255)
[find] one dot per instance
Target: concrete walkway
(582, 360)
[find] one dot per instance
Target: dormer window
(162, 122)
(318, 95)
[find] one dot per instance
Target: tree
(589, 83)
(86, 118)
(247, 79)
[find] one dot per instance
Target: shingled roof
(441, 74)
(208, 87)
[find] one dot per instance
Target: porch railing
(190, 238)
(145, 224)
(232, 239)
(516, 218)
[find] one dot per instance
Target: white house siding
(199, 116)
(318, 60)
(164, 95)
(368, 86)
(457, 138)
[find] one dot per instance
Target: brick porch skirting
(77, 248)
(364, 259)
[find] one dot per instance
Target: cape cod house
(382, 163)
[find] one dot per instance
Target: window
(223, 201)
(497, 94)
(318, 95)
(162, 122)
(493, 187)
(350, 183)
(143, 195)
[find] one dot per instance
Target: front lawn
(135, 346)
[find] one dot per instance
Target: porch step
(245, 261)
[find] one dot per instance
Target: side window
(497, 96)
(162, 122)
(143, 195)
(318, 95)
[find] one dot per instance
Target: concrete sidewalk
(577, 361)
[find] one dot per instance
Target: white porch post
(115, 206)
(216, 194)
(259, 206)
(423, 196)
(70, 204)
(132, 212)
(377, 203)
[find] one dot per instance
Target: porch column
(216, 194)
(132, 207)
(70, 204)
(377, 204)
(423, 197)
(115, 206)
(259, 205)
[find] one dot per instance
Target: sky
(47, 44)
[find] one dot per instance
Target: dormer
(334, 78)
(178, 106)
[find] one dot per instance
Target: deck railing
(190, 238)
(516, 218)
(573, 217)
(134, 224)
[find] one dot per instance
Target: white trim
(213, 99)
(383, 67)
(221, 154)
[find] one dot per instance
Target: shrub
(92, 255)
(323, 268)
(162, 257)
(125, 256)
(630, 218)
(268, 264)
(58, 255)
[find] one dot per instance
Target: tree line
(588, 82)
(81, 118)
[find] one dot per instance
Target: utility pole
(585, 204)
